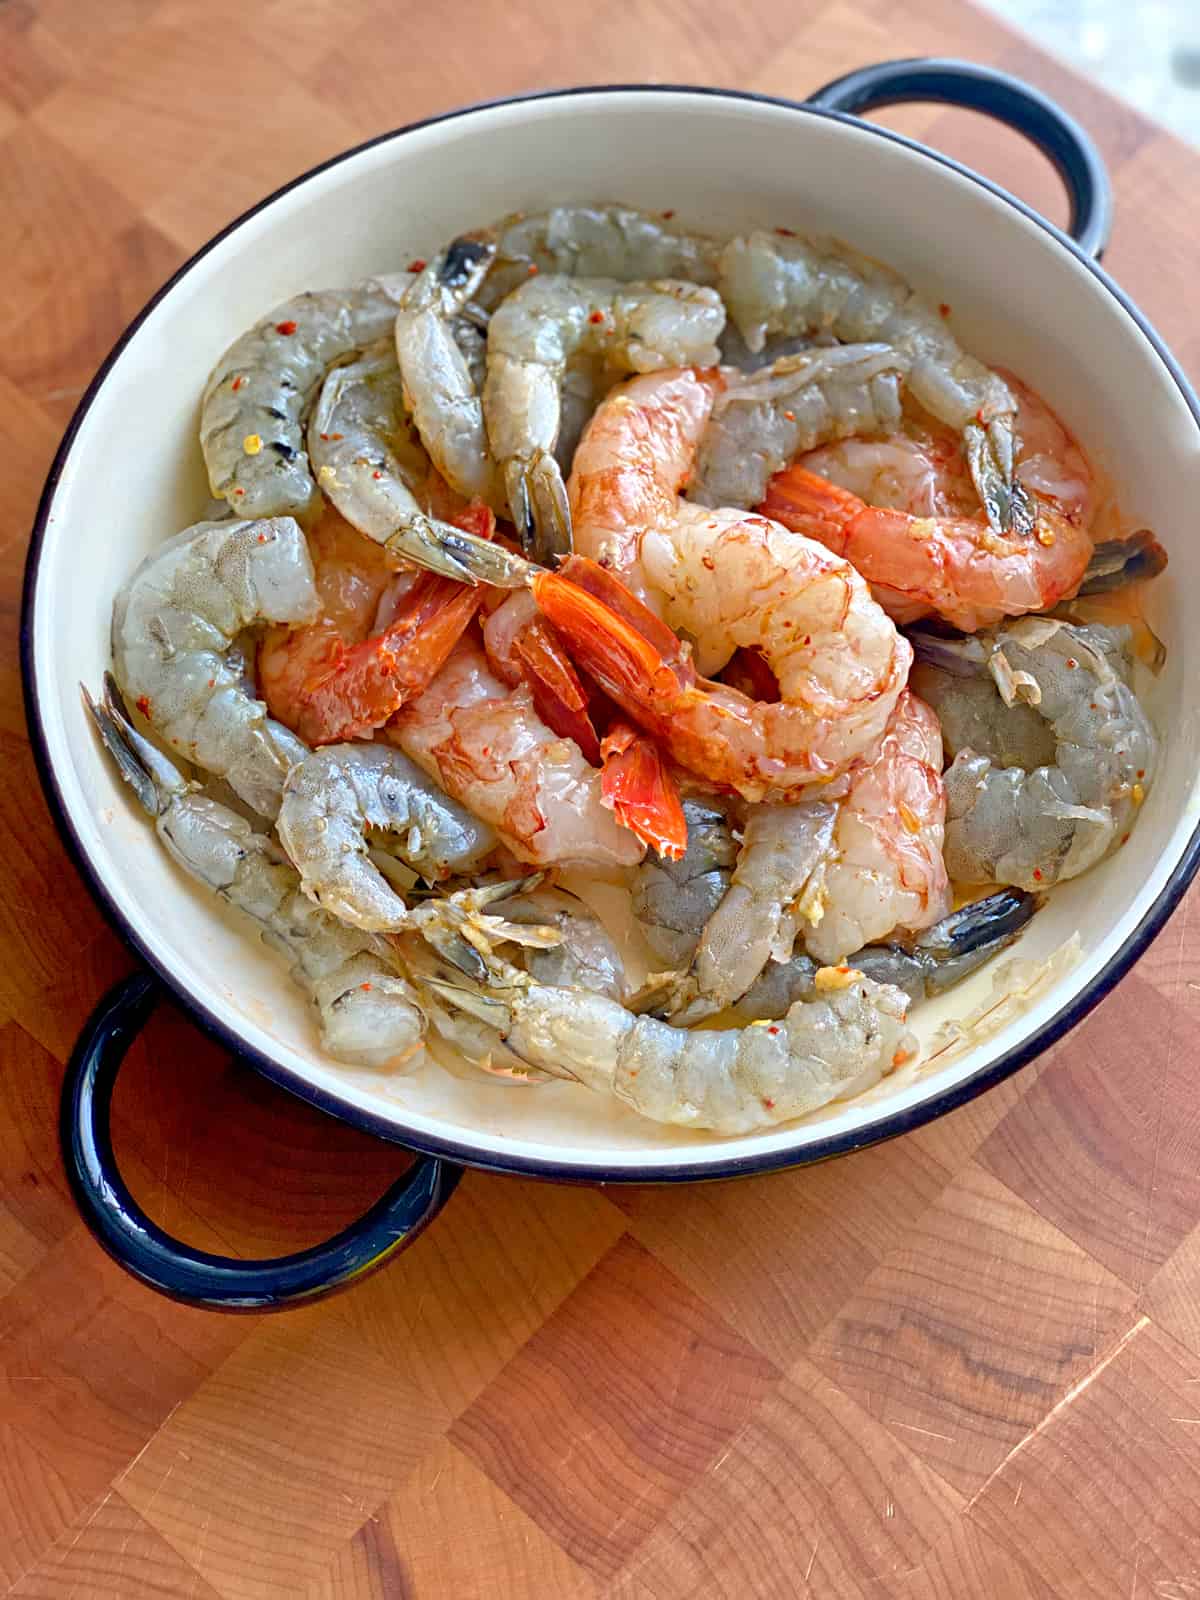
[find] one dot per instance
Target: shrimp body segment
(957, 568)
(487, 747)
(531, 338)
(336, 795)
(367, 1012)
(730, 1080)
(786, 285)
(763, 421)
(253, 407)
(440, 387)
(174, 626)
(1053, 753)
(886, 875)
(730, 580)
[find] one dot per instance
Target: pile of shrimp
(592, 549)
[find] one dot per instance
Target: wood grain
(964, 1366)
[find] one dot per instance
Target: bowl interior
(134, 476)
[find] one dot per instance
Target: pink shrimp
(887, 872)
(487, 747)
(730, 580)
(904, 511)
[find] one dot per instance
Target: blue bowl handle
(997, 94)
(220, 1283)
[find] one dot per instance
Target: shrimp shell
(253, 407)
(174, 625)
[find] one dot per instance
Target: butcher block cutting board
(963, 1364)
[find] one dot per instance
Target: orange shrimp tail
(559, 696)
(630, 652)
(811, 506)
(641, 793)
(359, 688)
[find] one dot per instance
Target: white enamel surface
(134, 477)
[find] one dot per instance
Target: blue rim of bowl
(889, 1126)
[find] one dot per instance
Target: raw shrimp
(439, 386)
(1053, 754)
(839, 874)
(336, 795)
(338, 677)
(174, 626)
(776, 283)
(633, 459)
(731, 580)
(762, 422)
(886, 874)
(672, 900)
(783, 850)
(367, 1012)
(596, 242)
(252, 411)
(957, 568)
(371, 465)
(488, 748)
(584, 958)
(731, 1081)
(928, 965)
(532, 336)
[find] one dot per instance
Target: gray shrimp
(777, 284)
(927, 965)
(673, 900)
(173, 633)
(360, 441)
(1053, 753)
(730, 1080)
(533, 335)
(783, 851)
(254, 404)
(336, 795)
(762, 422)
(367, 1012)
(440, 386)
(584, 958)
(611, 241)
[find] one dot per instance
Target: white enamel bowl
(129, 475)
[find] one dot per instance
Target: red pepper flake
(808, 638)
(943, 309)
(790, 415)
(1125, 838)
(285, 327)
(786, 233)
(237, 383)
(487, 750)
(1071, 661)
(417, 264)
(844, 967)
(262, 538)
(1141, 772)
(324, 436)
(365, 987)
(769, 1104)
(533, 269)
(596, 316)
(772, 1031)
(337, 435)
(1037, 872)
(143, 704)
(979, 417)
(667, 215)
(212, 683)
(377, 473)
(239, 491)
